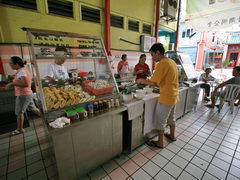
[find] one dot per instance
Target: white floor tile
(173, 169)
(194, 171)
(217, 172)
(208, 149)
(166, 153)
(224, 157)
(186, 155)
(163, 175)
(208, 176)
(207, 157)
(186, 176)
(190, 148)
(220, 164)
(141, 175)
(159, 160)
(234, 171)
(200, 163)
(151, 168)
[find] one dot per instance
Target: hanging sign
(212, 14)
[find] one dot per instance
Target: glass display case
(82, 76)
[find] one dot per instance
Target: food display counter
(82, 113)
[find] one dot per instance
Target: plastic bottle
(90, 109)
(112, 103)
(109, 104)
(95, 107)
(100, 106)
(117, 103)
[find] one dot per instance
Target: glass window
(183, 34)
(188, 33)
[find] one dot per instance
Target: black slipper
(169, 137)
(209, 106)
(218, 105)
(153, 144)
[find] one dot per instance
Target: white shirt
(56, 71)
(204, 76)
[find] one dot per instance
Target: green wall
(14, 18)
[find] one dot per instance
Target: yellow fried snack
(59, 97)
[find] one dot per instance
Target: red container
(83, 74)
(98, 91)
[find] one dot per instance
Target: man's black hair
(123, 56)
(157, 47)
(237, 68)
(208, 68)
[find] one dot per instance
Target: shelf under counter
(51, 116)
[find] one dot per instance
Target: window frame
(133, 20)
(148, 24)
(91, 7)
(73, 10)
(114, 14)
(20, 7)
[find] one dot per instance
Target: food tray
(98, 91)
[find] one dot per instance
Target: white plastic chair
(230, 94)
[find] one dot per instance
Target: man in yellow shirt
(166, 77)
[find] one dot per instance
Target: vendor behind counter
(141, 69)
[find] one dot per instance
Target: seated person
(56, 70)
(206, 77)
(234, 80)
(142, 69)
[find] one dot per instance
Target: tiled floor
(207, 147)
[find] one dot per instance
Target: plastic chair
(230, 94)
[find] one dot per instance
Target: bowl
(148, 90)
(127, 97)
(139, 96)
(140, 91)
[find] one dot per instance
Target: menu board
(188, 66)
(185, 61)
(189, 71)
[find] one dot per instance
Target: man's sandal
(169, 137)
(153, 144)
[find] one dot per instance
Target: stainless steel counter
(192, 97)
(180, 106)
(134, 129)
(84, 145)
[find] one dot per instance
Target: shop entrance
(233, 59)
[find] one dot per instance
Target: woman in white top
(206, 77)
